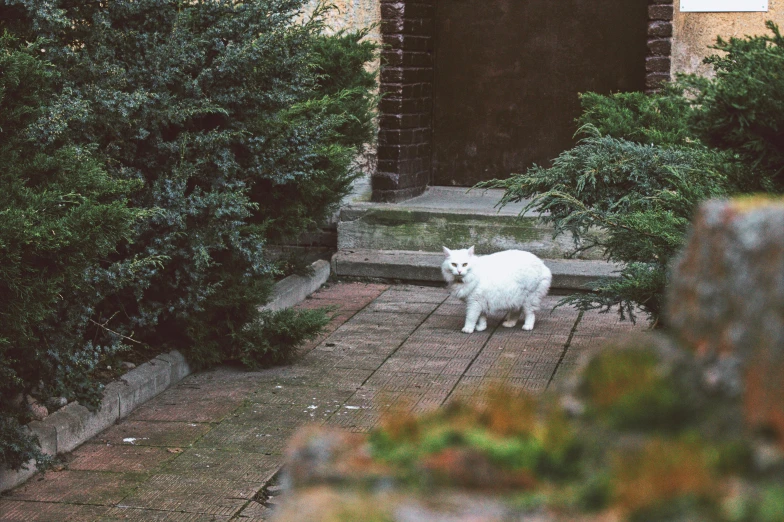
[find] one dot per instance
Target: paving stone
(80, 487)
(120, 459)
(361, 420)
(250, 467)
(531, 345)
(334, 305)
(413, 294)
(255, 512)
(329, 376)
(437, 350)
(144, 515)
(193, 494)
(425, 364)
(232, 379)
(333, 325)
(194, 401)
(450, 323)
(367, 317)
(351, 291)
(297, 405)
(268, 438)
(465, 343)
(23, 511)
(452, 309)
(347, 295)
(401, 382)
(610, 323)
(400, 307)
(471, 388)
(390, 349)
(148, 433)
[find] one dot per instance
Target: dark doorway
(508, 72)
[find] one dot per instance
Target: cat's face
(459, 262)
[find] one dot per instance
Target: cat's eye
(465, 264)
(454, 264)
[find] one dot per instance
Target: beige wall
(353, 14)
(694, 32)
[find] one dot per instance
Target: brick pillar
(406, 110)
(657, 63)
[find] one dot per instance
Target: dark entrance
(507, 74)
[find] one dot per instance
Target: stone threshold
(424, 267)
(70, 426)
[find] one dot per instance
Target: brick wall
(404, 140)
(657, 63)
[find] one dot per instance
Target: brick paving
(204, 449)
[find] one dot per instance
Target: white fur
(512, 282)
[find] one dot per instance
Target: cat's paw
(528, 327)
(481, 326)
(468, 329)
(509, 324)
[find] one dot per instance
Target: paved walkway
(202, 450)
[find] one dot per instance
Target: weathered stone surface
(295, 288)
(448, 216)
(726, 302)
(407, 265)
(727, 292)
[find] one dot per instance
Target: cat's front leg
(481, 324)
(473, 311)
(528, 325)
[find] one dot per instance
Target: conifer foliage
(645, 162)
(61, 215)
(179, 137)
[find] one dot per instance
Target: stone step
(568, 274)
(452, 217)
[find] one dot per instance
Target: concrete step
(417, 266)
(452, 217)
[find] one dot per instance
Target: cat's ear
(447, 252)
(471, 251)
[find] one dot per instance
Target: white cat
(513, 281)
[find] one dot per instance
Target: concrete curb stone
(67, 428)
(417, 266)
(179, 366)
(142, 384)
(296, 288)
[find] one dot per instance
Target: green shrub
(238, 129)
(647, 161)
(661, 119)
(18, 447)
(61, 215)
(640, 196)
(223, 124)
(742, 110)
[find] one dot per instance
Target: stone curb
(295, 288)
(568, 274)
(70, 426)
(73, 424)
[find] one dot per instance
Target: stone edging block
(70, 426)
(295, 288)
